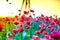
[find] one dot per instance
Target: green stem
(21, 36)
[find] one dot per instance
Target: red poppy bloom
(20, 29)
(7, 19)
(29, 18)
(47, 18)
(25, 12)
(16, 16)
(16, 23)
(57, 22)
(0, 26)
(23, 18)
(28, 23)
(38, 32)
(31, 10)
(14, 31)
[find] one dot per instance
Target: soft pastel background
(47, 7)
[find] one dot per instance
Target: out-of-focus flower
(55, 35)
(19, 10)
(29, 18)
(10, 35)
(38, 32)
(16, 23)
(20, 29)
(42, 15)
(36, 38)
(51, 29)
(36, 20)
(47, 18)
(1, 26)
(28, 23)
(31, 10)
(28, 26)
(7, 19)
(43, 26)
(23, 18)
(14, 31)
(47, 37)
(17, 17)
(21, 24)
(12, 19)
(25, 12)
(33, 14)
(45, 33)
(56, 21)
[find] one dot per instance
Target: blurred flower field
(29, 28)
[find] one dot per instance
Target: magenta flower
(36, 20)
(47, 37)
(51, 29)
(43, 26)
(28, 26)
(20, 29)
(36, 38)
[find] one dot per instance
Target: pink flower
(36, 38)
(55, 35)
(36, 20)
(21, 24)
(20, 29)
(19, 10)
(43, 26)
(47, 18)
(28, 26)
(10, 35)
(47, 37)
(51, 29)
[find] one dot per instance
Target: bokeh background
(46, 7)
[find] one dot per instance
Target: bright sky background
(47, 7)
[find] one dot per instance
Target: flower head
(20, 29)
(0, 26)
(16, 23)
(31, 10)
(14, 31)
